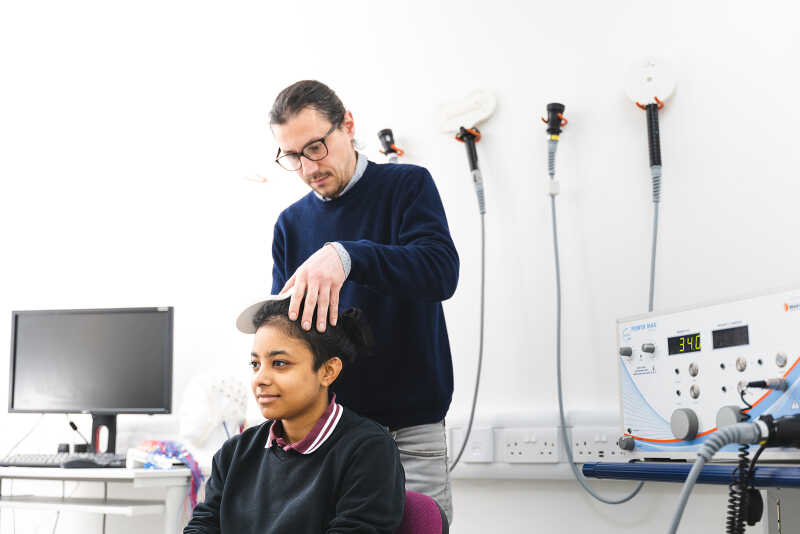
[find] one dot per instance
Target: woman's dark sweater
(353, 482)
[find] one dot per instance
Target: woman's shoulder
(358, 428)
(246, 439)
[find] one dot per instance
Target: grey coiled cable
(477, 179)
(552, 144)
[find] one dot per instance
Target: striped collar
(321, 431)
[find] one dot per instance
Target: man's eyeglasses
(314, 151)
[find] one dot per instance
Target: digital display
(731, 337)
(681, 344)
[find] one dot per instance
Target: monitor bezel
(168, 375)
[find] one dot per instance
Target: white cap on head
(245, 320)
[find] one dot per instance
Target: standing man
(374, 237)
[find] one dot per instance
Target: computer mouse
(79, 463)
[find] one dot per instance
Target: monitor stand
(109, 422)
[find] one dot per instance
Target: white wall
(127, 132)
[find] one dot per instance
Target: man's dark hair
(307, 94)
(349, 339)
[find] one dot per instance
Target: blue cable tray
(766, 476)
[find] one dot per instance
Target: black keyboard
(63, 459)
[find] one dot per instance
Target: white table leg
(173, 501)
(105, 499)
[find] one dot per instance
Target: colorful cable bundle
(173, 449)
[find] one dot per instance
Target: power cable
(555, 122)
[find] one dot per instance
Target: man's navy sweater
(404, 264)
(353, 482)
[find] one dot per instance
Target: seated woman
(314, 466)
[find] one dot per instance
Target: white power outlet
(595, 444)
(480, 448)
(527, 445)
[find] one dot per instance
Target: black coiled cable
(653, 134)
(737, 489)
(737, 496)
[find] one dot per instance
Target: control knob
(684, 424)
(626, 443)
(730, 415)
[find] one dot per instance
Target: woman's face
(284, 381)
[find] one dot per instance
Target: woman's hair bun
(357, 329)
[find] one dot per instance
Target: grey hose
(480, 341)
(745, 433)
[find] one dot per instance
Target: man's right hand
(319, 279)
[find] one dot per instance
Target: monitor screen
(97, 361)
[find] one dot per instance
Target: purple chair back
(422, 515)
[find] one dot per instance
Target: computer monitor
(103, 362)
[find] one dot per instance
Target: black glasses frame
(279, 157)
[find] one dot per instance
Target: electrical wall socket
(536, 443)
(480, 448)
(527, 445)
(595, 444)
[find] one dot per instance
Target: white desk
(176, 481)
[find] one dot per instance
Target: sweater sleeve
(372, 492)
(424, 264)
(205, 517)
(278, 258)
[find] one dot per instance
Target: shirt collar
(321, 431)
(361, 166)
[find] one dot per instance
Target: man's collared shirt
(361, 166)
(321, 431)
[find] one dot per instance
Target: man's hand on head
(319, 279)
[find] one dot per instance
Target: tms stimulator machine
(685, 374)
